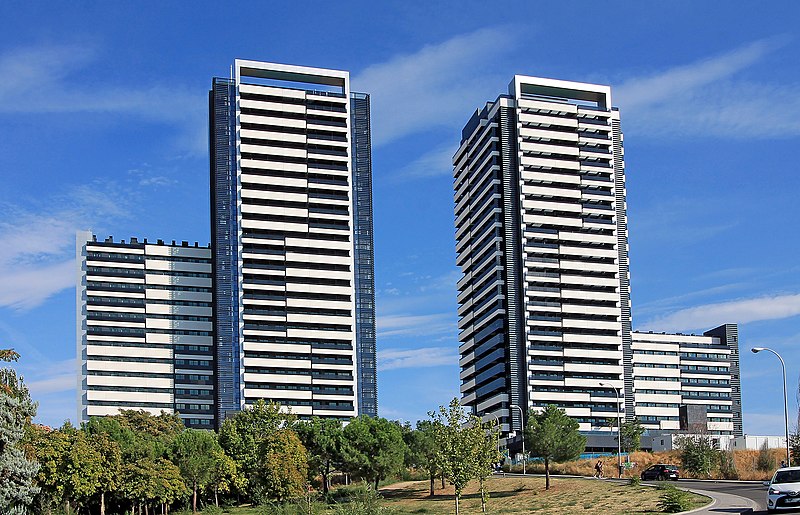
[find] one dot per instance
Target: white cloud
(392, 359)
(50, 79)
(56, 378)
(705, 98)
(37, 246)
(417, 325)
(738, 311)
(434, 163)
(435, 86)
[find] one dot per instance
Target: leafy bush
(674, 500)
(635, 481)
(212, 510)
(727, 465)
(764, 461)
(362, 502)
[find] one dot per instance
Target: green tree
(698, 454)
(282, 468)
(764, 461)
(193, 453)
(422, 444)
(102, 433)
(631, 432)
(71, 466)
(149, 481)
(17, 472)
(794, 447)
(322, 438)
(373, 448)
(464, 450)
(225, 476)
(266, 452)
(553, 436)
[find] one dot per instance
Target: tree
(794, 447)
(193, 453)
(322, 438)
(422, 443)
(225, 475)
(631, 432)
(764, 461)
(698, 454)
(259, 441)
(464, 450)
(148, 481)
(17, 488)
(373, 448)
(553, 436)
(104, 434)
(71, 466)
(282, 468)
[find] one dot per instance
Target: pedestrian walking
(598, 469)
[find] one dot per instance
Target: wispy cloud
(52, 79)
(37, 243)
(56, 378)
(391, 359)
(434, 86)
(434, 163)
(737, 311)
(706, 98)
(416, 325)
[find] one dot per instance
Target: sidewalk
(723, 503)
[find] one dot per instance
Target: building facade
(292, 241)
(542, 243)
(144, 329)
(671, 371)
(544, 299)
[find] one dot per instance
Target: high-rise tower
(544, 310)
(292, 241)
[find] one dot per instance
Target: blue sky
(103, 125)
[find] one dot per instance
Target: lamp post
(522, 418)
(619, 430)
(756, 350)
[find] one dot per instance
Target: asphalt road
(751, 490)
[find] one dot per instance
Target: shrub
(674, 500)
(212, 510)
(362, 502)
(764, 461)
(635, 481)
(727, 465)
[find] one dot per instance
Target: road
(751, 490)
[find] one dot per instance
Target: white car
(784, 490)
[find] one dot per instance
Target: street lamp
(619, 431)
(522, 418)
(756, 350)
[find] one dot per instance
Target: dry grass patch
(527, 495)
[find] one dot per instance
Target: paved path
(724, 503)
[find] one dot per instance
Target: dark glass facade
(225, 246)
(364, 256)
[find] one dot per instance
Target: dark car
(661, 472)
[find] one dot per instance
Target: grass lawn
(522, 495)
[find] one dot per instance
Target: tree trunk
(546, 474)
(325, 476)
(376, 485)
(194, 497)
(433, 484)
(216, 496)
(442, 480)
(457, 504)
(66, 506)
(483, 496)
(102, 503)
